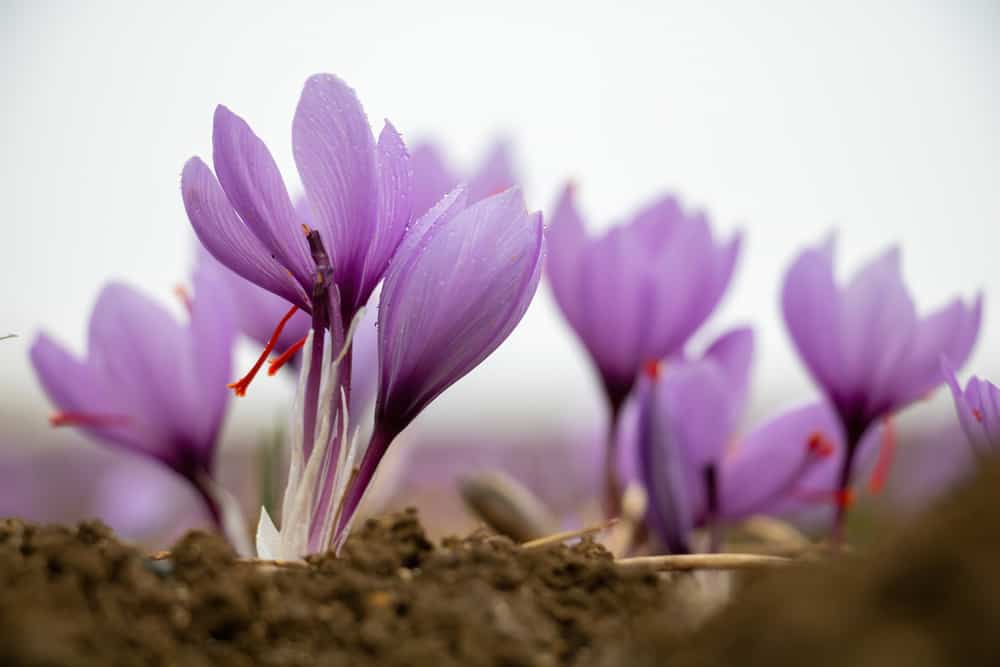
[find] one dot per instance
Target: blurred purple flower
(978, 408)
(637, 293)
(695, 472)
(864, 344)
(433, 178)
(149, 384)
(458, 286)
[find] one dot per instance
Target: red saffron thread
(87, 419)
(885, 455)
(182, 293)
(240, 386)
(274, 365)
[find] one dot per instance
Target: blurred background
(880, 120)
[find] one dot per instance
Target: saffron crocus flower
(150, 385)
(864, 344)
(978, 408)
(457, 288)
(356, 212)
(637, 293)
(433, 178)
(694, 469)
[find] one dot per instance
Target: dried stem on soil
(568, 535)
(706, 562)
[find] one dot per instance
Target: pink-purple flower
(149, 384)
(637, 293)
(433, 178)
(458, 286)
(864, 344)
(978, 408)
(697, 472)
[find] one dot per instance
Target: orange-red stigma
(651, 369)
(240, 386)
(818, 445)
(844, 498)
(881, 472)
(70, 418)
(182, 293)
(274, 365)
(978, 414)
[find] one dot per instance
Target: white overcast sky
(880, 119)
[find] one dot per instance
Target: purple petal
(665, 471)
(733, 351)
(984, 398)
(769, 464)
(394, 179)
(335, 154)
(253, 184)
(566, 239)
(432, 178)
(211, 335)
(811, 306)
(230, 241)
(451, 299)
(702, 410)
(75, 386)
(878, 323)
(951, 332)
(978, 409)
(494, 175)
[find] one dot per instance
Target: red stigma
(881, 472)
(182, 293)
(240, 386)
(844, 498)
(87, 419)
(651, 369)
(978, 414)
(274, 365)
(818, 445)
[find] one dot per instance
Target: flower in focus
(357, 198)
(149, 384)
(433, 178)
(637, 293)
(864, 344)
(978, 408)
(458, 286)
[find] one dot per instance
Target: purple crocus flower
(637, 293)
(978, 408)
(149, 384)
(456, 289)
(433, 178)
(864, 344)
(356, 213)
(697, 474)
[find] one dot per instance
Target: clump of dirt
(77, 596)
(927, 596)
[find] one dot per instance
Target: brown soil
(929, 595)
(80, 597)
